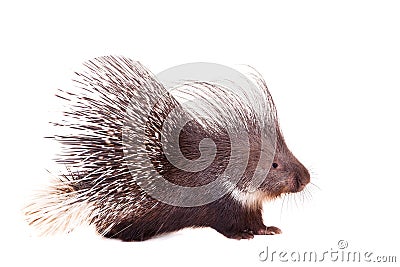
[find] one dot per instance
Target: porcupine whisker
(308, 193)
(283, 202)
(315, 186)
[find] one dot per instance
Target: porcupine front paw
(249, 234)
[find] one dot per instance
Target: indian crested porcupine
(145, 158)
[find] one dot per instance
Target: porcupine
(111, 166)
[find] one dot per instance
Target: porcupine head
(148, 155)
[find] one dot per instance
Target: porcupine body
(116, 152)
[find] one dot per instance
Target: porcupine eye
(274, 165)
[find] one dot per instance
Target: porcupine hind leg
(129, 231)
(163, 220)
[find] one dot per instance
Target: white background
(333, 68)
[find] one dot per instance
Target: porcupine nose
(303, 177)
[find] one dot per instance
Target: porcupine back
(104, 184)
